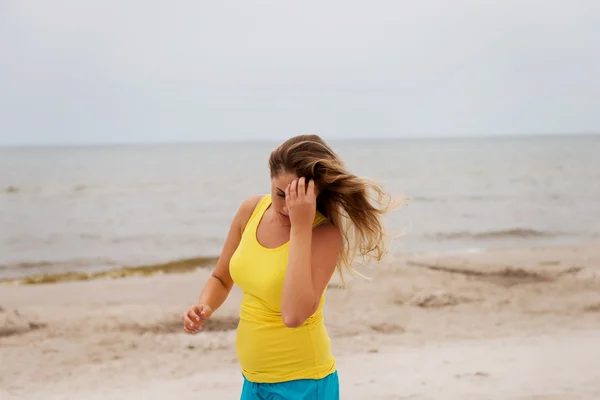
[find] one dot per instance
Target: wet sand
(503, 324)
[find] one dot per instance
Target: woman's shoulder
(325, 230)
(251, 202)
(247, 209)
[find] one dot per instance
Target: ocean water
(98, 208)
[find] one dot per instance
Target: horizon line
(269, 141)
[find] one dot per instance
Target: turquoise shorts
(327, 388)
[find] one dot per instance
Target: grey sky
(130, 71)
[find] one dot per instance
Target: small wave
(426, 199)
(12, 189)
(171, 267)
(57, 265)
(507, 233)
(29, 265)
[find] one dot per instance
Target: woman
(282, 250)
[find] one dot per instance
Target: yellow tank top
(267, 350)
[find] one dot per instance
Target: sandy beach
(501, 324)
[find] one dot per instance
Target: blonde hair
(353, 204)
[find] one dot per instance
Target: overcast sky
(75, 71)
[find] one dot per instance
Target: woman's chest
(260, 273)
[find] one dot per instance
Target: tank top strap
(319, 219)
(258, 212)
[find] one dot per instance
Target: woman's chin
(284, 219)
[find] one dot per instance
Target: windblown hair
(353, 204)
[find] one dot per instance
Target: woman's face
(278, 184)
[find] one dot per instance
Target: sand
(502, 324)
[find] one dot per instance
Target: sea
(98, 208)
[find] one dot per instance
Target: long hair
(353, 204)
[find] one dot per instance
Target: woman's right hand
(195, 318)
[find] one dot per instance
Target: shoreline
(182, 265)
(191, 264)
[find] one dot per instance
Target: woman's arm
(313, 255)
(219, 284)
(312, 260)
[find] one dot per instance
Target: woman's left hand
(301, 201)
